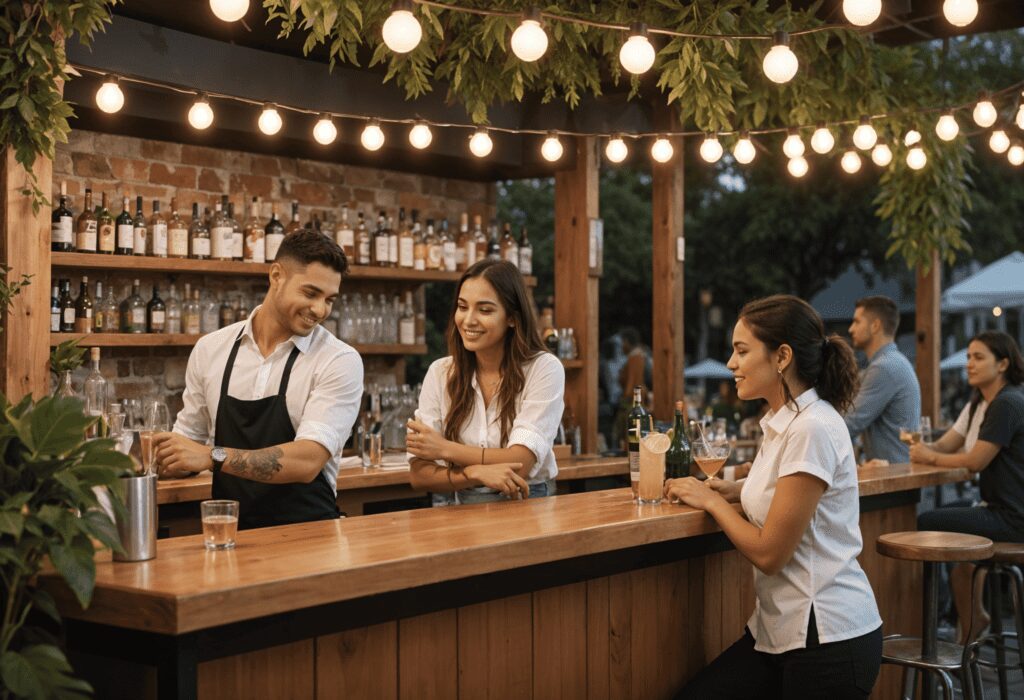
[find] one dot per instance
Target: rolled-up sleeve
(333, 404)
(540, 413)
(431, 409)
(193, 420)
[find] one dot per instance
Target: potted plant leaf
(64, 360)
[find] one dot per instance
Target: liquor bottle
(363, 243)
(177, 233)
(97, 309)
(125, 230)
(173, 311)
(199, 236)
(678, 459)
(156, 313)
(407, 322)
(328, 226)
(294, 225)
(83, 308)
(461, 241)
(67, 307)
(255, 248)
(380, 243)
(449, 264)
(190, 321)
(314, 223)
(639, 422)
(209, 314)
(105, 228)
(237, 236)
(140, 242)
(509, 247)
(525, 253)
(133, 311)
(94, 391)
(226, 313)
(55, 309)
(419, 243)
(158, 231)
(273, 234)
(493, 244)
(110, 319)
(345, 236)
(406, 243)
(62, 226)
(86, 229)
(392, 243)
(434, 258)
(220, 232)
(479, 243)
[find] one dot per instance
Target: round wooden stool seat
(934, 546)
(1008, 553)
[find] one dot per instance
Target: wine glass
(711, 455)
(155, 420)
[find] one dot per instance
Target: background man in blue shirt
(889, 397)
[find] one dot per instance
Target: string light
(372, 137)
(551, 149)
(780, 64)
(1015, 155)
(420, 135)
(850, 162)
(270, 121)
(947, 128)
(200, 114)
(637, 54)
(109, 97)
(960, 13)
(797, 166)
(324, 132)
(999, 141)
(913, 136)
(793, 146)
(862, 12)
(529, 40)
(864, 136)
(917, 158)
(229, 10)
(985, 113)
(401, 31)
(616, 149)
(480, 143)
(881, 155)
(710, 149)
(822, 141)
(661, 150)
(744, 151)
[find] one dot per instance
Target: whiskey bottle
(86, 229)
(158, 231)
(255, 246)
(177, 233)
(199, 236)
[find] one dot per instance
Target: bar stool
(925, 654)
(1007, 558)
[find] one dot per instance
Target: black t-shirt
(1002, 481)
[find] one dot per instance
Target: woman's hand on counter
(176, 454)
(425, 442)
(500, 477)
(729, 490)
(919, 454)
(692, 492)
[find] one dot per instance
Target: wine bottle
(156, 313)
(61, 229)
(273, 235)
(639, 425)
(67, 307)
(83, 308)
(125, 230)
(140, 232)
(87, 228)
(105, 227)
(679, 458)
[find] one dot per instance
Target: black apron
(252, 425)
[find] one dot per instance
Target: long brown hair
(522, 343)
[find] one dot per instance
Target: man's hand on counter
(177, 456)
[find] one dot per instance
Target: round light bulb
(960, 13)
(270, 121)
(529, 40)
(1015, 155)
(997, 311)
(797, 166)
(780, 64)
(947, 128)
(985, 114)
(850, 162)
(551, 149)
(372, 137)
(324, 132)
(744, 150)
(917, 158)
(480, 143)
(420, 136)
(1020, 117)
(401, 31)
(999, 141)
(637, 54)
(661, 150)
(109, 97)
(822, 141)
(793, 146)
(881, 155)
(913, 136)
(616, 149)
(200, 114)
(864, 136)
(711, 149)
(229, 10)
(862, 12)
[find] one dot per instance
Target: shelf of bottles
(144, 340)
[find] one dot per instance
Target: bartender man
(270, 401)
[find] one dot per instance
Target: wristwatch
(218, 455)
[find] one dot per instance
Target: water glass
(926, 429)
(220, 524)
(374, 450)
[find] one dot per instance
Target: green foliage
(47, 474)
(66, 357)
(9, 290)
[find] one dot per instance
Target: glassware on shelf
(65, 387)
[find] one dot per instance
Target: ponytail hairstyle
(824, 362)
(522, 343)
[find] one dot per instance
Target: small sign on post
(596, 247)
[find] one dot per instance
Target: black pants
(977, 520)
(845, 670)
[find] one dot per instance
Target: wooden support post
(576, 299)
(25, 248)
(928, 332)
(667, 282)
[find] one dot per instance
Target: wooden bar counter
(579, 595)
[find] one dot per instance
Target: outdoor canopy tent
(998, 284)
(708, 369)
(957, 360)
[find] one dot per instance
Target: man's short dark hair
(308, 246)
(884, 309)
(631, 335)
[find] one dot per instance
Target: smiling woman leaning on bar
(489, 412)
(815, 632)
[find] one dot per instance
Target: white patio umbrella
(958, 360)
(707, 369)
(998, 284)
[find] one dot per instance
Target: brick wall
(122, 165)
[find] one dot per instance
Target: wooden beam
(25, 248)
(576, 299)
(928, 333)
(667, 282)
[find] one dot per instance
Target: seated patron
(489, 412)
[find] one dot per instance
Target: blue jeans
(482, 494)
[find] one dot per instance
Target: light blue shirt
(889, 399)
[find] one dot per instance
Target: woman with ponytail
(489, 412)
(815, 631)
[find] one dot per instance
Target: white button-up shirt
(539, 410)
(324, 391)
(969, 428)
(824, 571)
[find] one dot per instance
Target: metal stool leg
(929, 625)
(1017, 590)
(996, 598)
(947, 685)
(909, 683)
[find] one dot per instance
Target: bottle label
(434, 257)
(83, 324)
(220, 238)
(405, 252)
(346, 238)
(201, 246)
(364, 252)
(460, 257)
(192, 324)
(158, 317)
(87, 237)
(526, 261)
(237, 246)
(393, 248)
(407, 331)
(125, 236)
(60, 232)
(160, 239)
(255, 247)
(139, 316)
(634, 463)
(178, 242)
(55, 321)
(139, 240)
(173, 324)
(512, 255)
(106, 238)
(381, 249)
(69, 316)
(420, 264)
(450, 263)
(470, 253)
(272, 243)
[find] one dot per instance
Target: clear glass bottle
(255, 245)
(237, 236)
(462, 243)
(62, 224)
(406, 242)
(133, 311)
(392, 243)
(209, 319)
(363, 242)
(448, 249)
(346, 236)
(407, 322)
(111, 312)
(87, 227)
(94, 392)
(419, 243)
(173, 311)
(199, 236)
(157, 232)
(140, 230)
(191, 321)
(221, 232)
(177, 233)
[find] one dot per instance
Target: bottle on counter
(380, 243)
(105, 228)
(67, 307)
(639, 422)
(125, 244)
(199, 236)
(173, 311)
(392, 242)
(140, 230)
(133, 311)
(419, 249)
(83, 308)
(177, 233)
(255, 244)
(345, 236)
(407, 322)
(435, 254)
(62, 234)
(156, 313)
(273, 234)
(86, 230)
(679, 458)
(525, 254)
(55, 309)
(158, 232)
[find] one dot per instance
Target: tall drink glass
(652, 467)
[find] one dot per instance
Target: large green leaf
(19, 676)
(12, 522)
(76, 566)
(58, 425)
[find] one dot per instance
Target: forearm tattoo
(258, 465)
